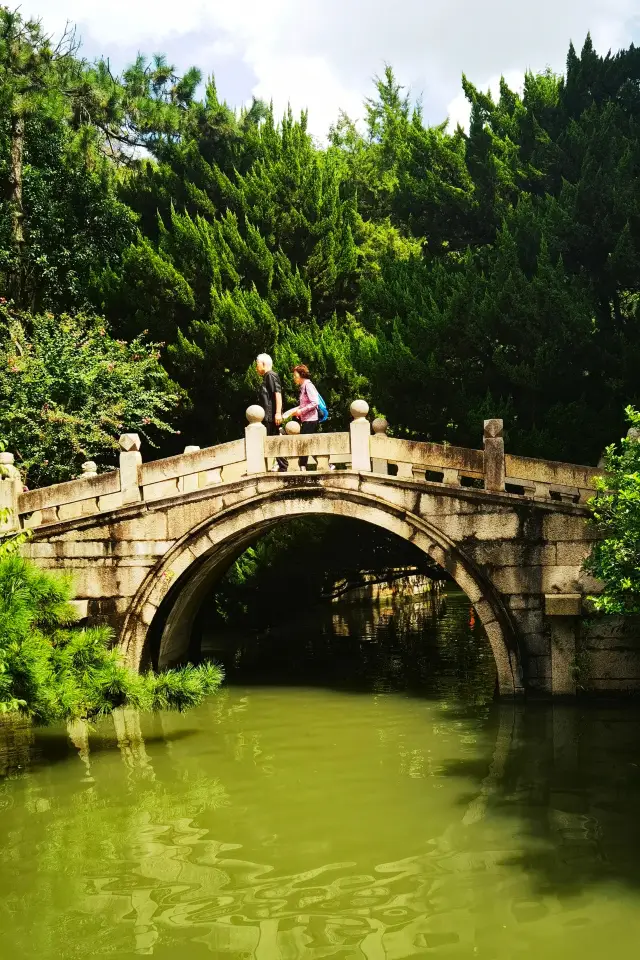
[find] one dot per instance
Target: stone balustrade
(365, 448)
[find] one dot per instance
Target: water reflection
(430, 644)
(311, 822)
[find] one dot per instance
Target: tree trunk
(17, 211)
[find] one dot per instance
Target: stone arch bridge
(146, 542)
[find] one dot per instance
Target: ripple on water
(329, 819)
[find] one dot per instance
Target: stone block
(518, 580)
(186, 516)
(535, 644)
(610, 685)
(73, 549)
(528, 621)
(162, 490)
(37, 551)
(234, 471)
(614, 665)
(148, 613)
(437, 502)
(567, 579)
(70, 511)
(140, 548)
(512, 553)
(562, 526)
(563, 651)
(91, 581)
(80, 608)
(210, 477)
(573, 552)
(189, 483)
(111, 501)
(343, 480)
(563, 604)
(482, 526)
(406, 498)
(151, 524)
(524, 602)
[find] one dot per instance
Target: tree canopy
(445, 275)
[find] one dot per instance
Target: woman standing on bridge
(307, 409)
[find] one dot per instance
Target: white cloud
(324, 53)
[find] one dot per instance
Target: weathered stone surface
(505, 551)
(559, 526)
(162, 490)
(130, 442)
(573, 552)
(549, 471)
(563, 604)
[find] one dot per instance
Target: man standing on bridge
(270, 399)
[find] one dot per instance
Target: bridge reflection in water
(313, 822)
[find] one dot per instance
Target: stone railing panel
(73, 491)
(185, 464)
(323, 448)
(571, 483)
(550, 472)
(434, 457)
(319, 444)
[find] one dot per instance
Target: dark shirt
(267, 394)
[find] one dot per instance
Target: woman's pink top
(308, 401)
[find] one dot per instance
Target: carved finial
(380, 425)
(255, 413)
(191, 449)
(89, 470)
(359, 409)
(292, 428)
(130, 442)
(493, 429)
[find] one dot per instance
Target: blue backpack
(323, 410)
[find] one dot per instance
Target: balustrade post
(380, 427)
(10, 490)
(192, 481)
(130, 463)
(494, 468)
(360, 430)
(254, 437)
(292, 429)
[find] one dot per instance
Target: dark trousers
(274, 431)
(308, 426)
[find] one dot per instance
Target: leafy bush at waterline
(54, 671)
(615, 560)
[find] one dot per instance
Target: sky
(323, 55)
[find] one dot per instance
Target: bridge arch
(169, 598)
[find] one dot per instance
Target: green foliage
(52, 671)
(615, 560)
(68, 389)
(443, 275)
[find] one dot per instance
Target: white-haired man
(270, 399)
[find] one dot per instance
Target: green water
(384, 811)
